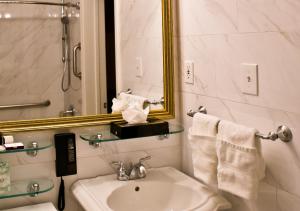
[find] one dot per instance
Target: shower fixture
(66, 77)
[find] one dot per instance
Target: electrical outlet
(249, 79)
(139, 67)
(189, 72)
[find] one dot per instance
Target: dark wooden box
(153, 127)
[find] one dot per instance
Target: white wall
(218, 36)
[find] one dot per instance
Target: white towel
(119, 105)
(133, 99)
(202, 136)
(240, 163)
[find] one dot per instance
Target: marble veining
(140, 36)
(264, 32)
(30, 59)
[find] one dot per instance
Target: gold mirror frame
(67, 122)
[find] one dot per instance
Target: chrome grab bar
(27, 105)
(68, 4)
(75, 67)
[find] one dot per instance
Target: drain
(137, 188)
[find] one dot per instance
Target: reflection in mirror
(35, 61)
(133, 49)
(39, 45)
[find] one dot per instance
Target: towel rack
(128, 91)
(28, 105)
(147, 102)
(201, 109)
(283, 132)
(155, 102)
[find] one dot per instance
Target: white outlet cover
(249, 79)
(139, 67)
(189, 72)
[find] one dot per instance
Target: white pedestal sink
(164, 189)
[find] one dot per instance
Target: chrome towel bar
(68, 4)
(283, 133)
(156, 102)
(27, 105)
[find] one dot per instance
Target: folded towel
(240, 163)
(135, 115)
(133, 99)
(202, 137)
(119, 105)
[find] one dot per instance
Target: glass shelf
(29, 148)
(22, 188)
(106, 135)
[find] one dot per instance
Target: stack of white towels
(226, 156)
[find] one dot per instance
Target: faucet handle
(121, 173)
(145, 158)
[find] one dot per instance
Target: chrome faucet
(131, 172)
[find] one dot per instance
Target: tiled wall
(31, 59)
(218, 36)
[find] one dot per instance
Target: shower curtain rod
(68, 4)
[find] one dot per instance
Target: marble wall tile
(218, 58)
(287, 201)
(268, 15)
(207, 17)
(198, 50)
(139, 18)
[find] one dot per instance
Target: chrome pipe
(68, 4)
(27, 105)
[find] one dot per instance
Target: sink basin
(152, 196)
(164, 189)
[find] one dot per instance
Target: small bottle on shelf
(4, 177)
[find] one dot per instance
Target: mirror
(127, 50)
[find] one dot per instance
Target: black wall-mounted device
(65, 147)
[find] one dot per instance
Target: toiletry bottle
(4, 177)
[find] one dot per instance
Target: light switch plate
(189, 72)
(249, 73)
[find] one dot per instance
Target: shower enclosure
(36, 43)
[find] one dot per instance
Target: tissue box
(153, 127)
